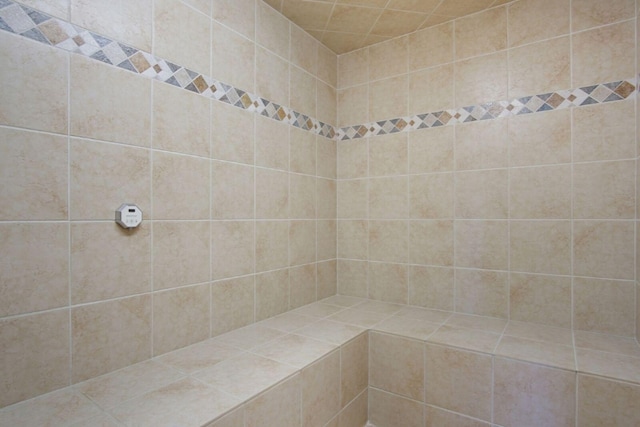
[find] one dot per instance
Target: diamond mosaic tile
(30, 23)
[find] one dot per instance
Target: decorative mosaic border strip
(589, 95)
(19, 19)
(22, 20)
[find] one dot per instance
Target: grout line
(68, 220)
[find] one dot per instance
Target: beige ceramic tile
(603, 249)
(431, 46)
(331, 331)
(130, 23)
(326, 202)
(480, 323)
(483, 293)
(482, 145)
(272, 245)
(592, 13)
(356, 413)
(397, 365)
(431, 196)
(43, 106)
(110, 335)
(608, 343)
(232, 250)
(604, 190)
(188, 402)
(272, 30)
(302, 151)
(424, 315)
(327, 66)
(126, 271)
(540, 299)
(103, 420)
(467, 339)
(389, 58)
(537, 139)
(540, 246)
(278, 406)
(431, 242)
(33, 170)
(601, 402)
(249, 337)
(234, 418)
(113, 389)
(380, 307)
(354, 368)
(459, 381)
(482, 194)
(601, 54)
(319, 310)
(352, 199)
(388, 241)
(303, 92)
(516, 383)
(34, 262)
(481, 79)
(180, 254)
(604, 132)
(437, 417)
(608, 365)
(468, 41)
(36, 358)
(233, 133)
(386, 409)
(304, 50)
(482, 244)
(237, 15)
(604, 306)
(302, 197)
(352, 278)
(234, 59)
(288, 322)
(342, 301)
(431, 89)
(97, 184)
(407, 327)
(321, 390)
(353, 105)
(272, 293)
(353, 159)
(60, 408)
(431, 150)
(388, 282)
(540, 192)
(123, 98)
(198, 356)
(180, 120)
(295, 350)
(388, 198)
(327, 243)
(353, 68)
(180, 318)
(562, 336)
(431, 287)
(535, 20)
(171, 175)
(545, 353)
(388, 98)
(273, 82)
(57, 8)
(302, 285)
(388, 155)
(362, 318)
(551, 70)
(272, 194)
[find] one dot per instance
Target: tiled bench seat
(344, 360)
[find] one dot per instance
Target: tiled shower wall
(239, 209)
(529, 217)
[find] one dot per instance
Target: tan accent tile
(406, 327)
(604, 190)
(550, 71)
(537, 139)
(431, 150)
(540, 246)
(388, 98)
(431, 243)
(272, 293)
(33, 170)
(353, 316)
(386, 409)
(482, 244)
(437, 417)
(535, 20)
(126, 271)
(36, 359)
(540, 192)
(484, 293)
(397, 365)
(604, 306)
(388, 241)
(198, 356)
(110, 335)
(459, 381)
(431, 89)
(237, 15)
(431, 287)
(546, 353)
(302, 197)
(592, 13)
(233, 138)
(321, 390)
(601, 401)
(295, 350)
(517, 382)
(388, 282)
(467, 339)
(278, 406)
(352, 278)
(232, 191)
(482, 194)
(353, 68)
(471, 41)
(602, 54)
(540, 299)
(249, 337)
(354, 368)
(388, 198)
(232, 251)
(388, 59)
(481, 79)
(431, 46)
(603, 249)
(171, 175)
(186, 401)
(34, 264)
(482, 145)
(302, 285)
(62, 407)
(272, 194)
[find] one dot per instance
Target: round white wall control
(128, 215)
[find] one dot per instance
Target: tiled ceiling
(346, 25)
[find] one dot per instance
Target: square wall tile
(540, 299)
(327, 240)
(326, 102)
(327, 198)
(431, 150)
(388, 98)
(354, 368)
(535, 20)
(352, 278)
(539, 139)
(431, 242)
(278, 406)
(353, 68)
(353, 196)
(272, 143)
(388, 155)
(388, 198)
(327, 277)
(327, 66)
(471, 41)
(302, 285)
(540, 192)
(431, 89)
(272, 194)
(431, 46)
(591, 13)
(302, 242)
(239, 15)
(304, 50)
(234, 58)
(353, 159)
(388, 241)
(353, 239)
(482, 244)
(540, 246)
(232, 135)
(232, 248)
(388, 282)
(389, 58)
(356, 413)
(303, 153)
(232, 304)
(603, 249)
(431, 196)
(232, 191)
(321, 390)
(272, 30)
(482, 194)
(272, 245)
(387, 409)
(396, 365)
(353, 105)
(602, 401)
(481, 79)
(303, 92)
(604, 190)
(272, 293)
(302, 197)
(33, 170)
(273, 82)
(604, 306)
(482, 145)
(484, 293)
(431, 287)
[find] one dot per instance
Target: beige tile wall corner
(531, 217)
(218, 250)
